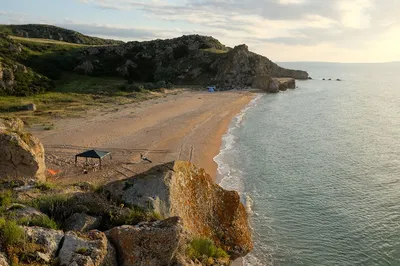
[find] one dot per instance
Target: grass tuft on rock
(42, 221)
(204, 248)
(10, 232)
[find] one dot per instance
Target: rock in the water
(261, 82)
(21, 154)
(181, 189)
(310, 78)
(90, 249)
(150, 244)
(338, 80)
(82, 222)
(46, 239)
(273, 86)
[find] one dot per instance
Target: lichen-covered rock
(82, 222)
(148, 244)
(20, 211)
(3, 260)
(90, 249)
(181, 189)
(47, 241)
(21, 154)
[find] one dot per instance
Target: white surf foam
(230, 177)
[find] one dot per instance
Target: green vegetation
(44, 186)
(203, 248)
(10, 232)
(5, 198)
(49, 32)
(82, 250)
(42, 221)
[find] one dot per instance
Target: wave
(229, 176)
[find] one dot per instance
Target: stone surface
(21, 154)
(89, 249)
(150, 244)
(47, 239)
(30, 107)
(82, 222)
(181, 189)
(273, 86)
(19, 211)
(3, 260)
(85, 68)
(261, 82)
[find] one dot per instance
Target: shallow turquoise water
(319, 168)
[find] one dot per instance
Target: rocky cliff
(28, 67)
(50, 32)
(189, 59)
(21, 154)
(181, 189)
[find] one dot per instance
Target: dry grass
(38, 40)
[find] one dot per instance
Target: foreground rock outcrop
(151, 244)
(181, 189)
(21, 154)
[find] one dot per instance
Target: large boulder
(19, 211)
(82, 222)
(273, 86)
(46, 240)
(21, 154)
(85, 68)
(90, 249)
(150, 244)
(180, 189)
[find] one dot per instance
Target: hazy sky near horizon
(283, 30)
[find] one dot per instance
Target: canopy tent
(93, 154)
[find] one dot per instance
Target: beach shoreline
(184, 126)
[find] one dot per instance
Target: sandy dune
(164, 129)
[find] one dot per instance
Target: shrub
(42, 221)
(5, 198)
(57, 207)
(10, 232)
(200, 247)
(44, 186)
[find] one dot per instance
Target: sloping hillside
(29, 65)
(53, 33)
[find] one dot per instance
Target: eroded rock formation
(181, 189)
(21, 154)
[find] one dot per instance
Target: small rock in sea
(338, 80)
(323, 79)
(329, 79)
(310, 78)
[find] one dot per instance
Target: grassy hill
(50, 32)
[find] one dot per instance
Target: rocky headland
(31, 67)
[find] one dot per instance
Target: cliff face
(181, 189)
(190, 59)
(54, 33)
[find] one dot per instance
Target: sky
(282, 30)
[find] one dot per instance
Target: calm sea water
(319, 168)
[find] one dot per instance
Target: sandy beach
(185, 126)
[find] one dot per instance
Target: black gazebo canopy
(93, 154)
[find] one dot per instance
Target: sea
(318, 167)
